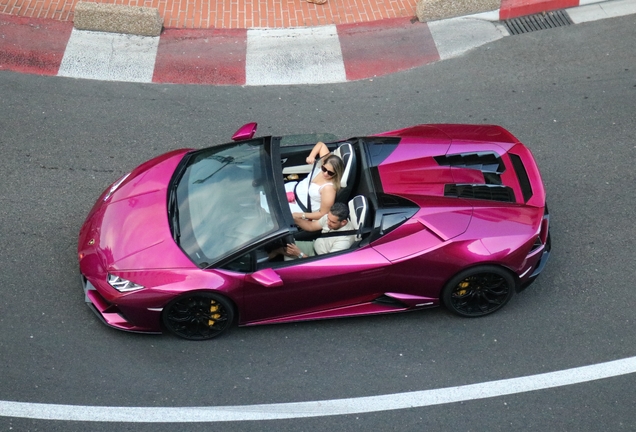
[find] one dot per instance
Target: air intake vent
(482, 161)
(537, 244)
(489, 163)
(541, 21)
(389, 301)
(482, 192)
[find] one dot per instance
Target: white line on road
(308, 55)
(109, 56)
(319, 408)
(601, 10)
(455, 36)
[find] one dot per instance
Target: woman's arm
(320, 150)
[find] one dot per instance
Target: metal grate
(536, 22)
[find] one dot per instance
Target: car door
(303, 286)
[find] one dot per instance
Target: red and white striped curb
(310, 55)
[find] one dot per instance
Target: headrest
(358, 210)
(345, 152)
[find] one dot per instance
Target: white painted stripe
(109, 56)
(598, 11)
(320, 408)
(492, 15)
(456, 36)
(308, 55)
(587, 2)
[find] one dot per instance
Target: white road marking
(310, 55)
(109, 56)
(455, 36)
(597, 11)
(292, 410)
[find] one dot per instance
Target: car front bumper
(115, 316)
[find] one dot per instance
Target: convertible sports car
(443, 214)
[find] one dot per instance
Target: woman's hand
(320, 150)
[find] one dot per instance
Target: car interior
(295, 168)
(372, 212)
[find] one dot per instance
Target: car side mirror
(245, 132)
(266, 277)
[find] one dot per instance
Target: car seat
(358, 208)
(348, 156)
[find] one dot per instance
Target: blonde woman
(321, 188)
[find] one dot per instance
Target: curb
(104, 17)
(249, 57)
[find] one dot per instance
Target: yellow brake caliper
(462, 288)
(213, 315)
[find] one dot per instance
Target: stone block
(135, 20)
(432, 10)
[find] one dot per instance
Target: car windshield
(222, 200)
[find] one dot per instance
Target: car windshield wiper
(225, 161)
(173, 214)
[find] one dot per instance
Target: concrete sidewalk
(245, 14)
(281, 56)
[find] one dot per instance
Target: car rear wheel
(198, 316)
(479, 291)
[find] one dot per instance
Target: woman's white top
(301, 193)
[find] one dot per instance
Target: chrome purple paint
(405, 267)
(245, 132)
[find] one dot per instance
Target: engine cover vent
(481, 192)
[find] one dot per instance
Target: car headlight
(114, 187)
(122, 285)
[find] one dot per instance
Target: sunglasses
(325, 170)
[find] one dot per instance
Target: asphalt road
(568, 93)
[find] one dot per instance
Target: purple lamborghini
(442, 214)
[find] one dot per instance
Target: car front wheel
(479, 291)
(198, 316)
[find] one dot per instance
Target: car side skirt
(388, 303)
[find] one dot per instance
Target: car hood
(131, 231)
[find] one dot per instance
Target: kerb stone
(432, 10)
(135, 20)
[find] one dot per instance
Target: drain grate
(536, 22)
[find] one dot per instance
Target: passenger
(323, 186)
(336, 220)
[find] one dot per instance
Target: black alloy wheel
(198, 316)
(479, 291)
